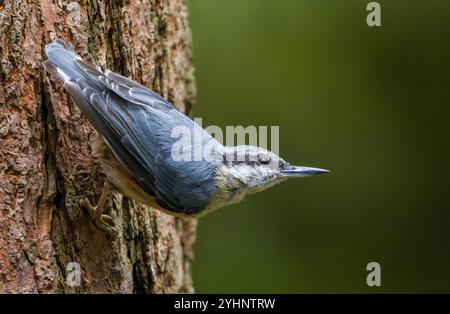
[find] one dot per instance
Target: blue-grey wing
(137, 125)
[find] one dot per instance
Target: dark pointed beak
(296, 171)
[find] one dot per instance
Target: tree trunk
(46, 160)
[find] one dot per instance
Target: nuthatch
(135, 127)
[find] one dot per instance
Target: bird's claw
(101, 221)
(106, 223)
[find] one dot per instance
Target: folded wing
(136, 124)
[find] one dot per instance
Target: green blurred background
(371, 104)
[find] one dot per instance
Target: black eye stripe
(250, 159)
(265, 160)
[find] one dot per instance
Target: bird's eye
(265, 160)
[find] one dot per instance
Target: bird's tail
(67, 65)
(81, 80)
(61, 61)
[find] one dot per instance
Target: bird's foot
(100, 220)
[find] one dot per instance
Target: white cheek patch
(254, 176)
(257, 178)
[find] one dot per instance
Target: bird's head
(252, 169)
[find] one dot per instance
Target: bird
(135, 146)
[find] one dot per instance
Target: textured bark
(46, 159)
